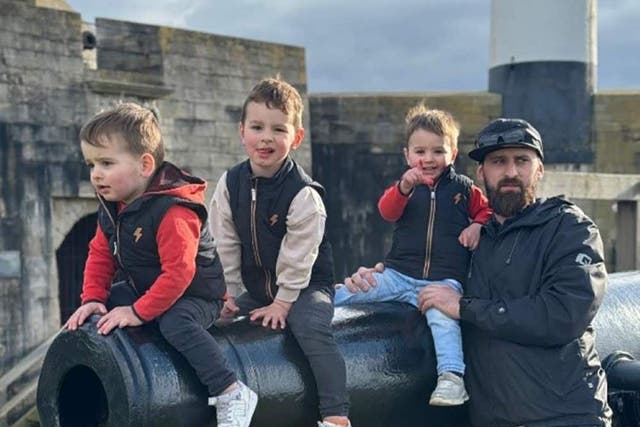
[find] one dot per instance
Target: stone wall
(41, 106)
(616, 142)
(357, 154)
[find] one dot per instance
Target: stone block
(10, 265)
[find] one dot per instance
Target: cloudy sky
(380, 45)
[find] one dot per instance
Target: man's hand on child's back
(80, 315)
(119, 317)
(273, 315)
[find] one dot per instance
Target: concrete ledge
(589, 186)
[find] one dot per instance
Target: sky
(380, 45)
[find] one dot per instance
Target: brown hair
(276, 93)
(439, 122)
(137, 125)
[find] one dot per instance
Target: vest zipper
(254, 237)
(430, 223)
(116, 246)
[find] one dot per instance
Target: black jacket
(255, 202)
(534, 286)
(425, 238)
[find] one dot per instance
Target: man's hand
(363, 280)
(83, 312)
(442, 297)
(273, 315)
(229, 309)
(119, 317)
(470, 236)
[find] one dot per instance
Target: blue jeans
(395, 286)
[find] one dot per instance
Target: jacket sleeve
(98, 271)
(227, 240)
(479, 210)
(299, 247)
(177, 238)
(574, 281)
(392, 203)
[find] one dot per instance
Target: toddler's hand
(273, 315)
(410, 179)
(470, 236)
(119, 317)
(229, 309)
(83, 312)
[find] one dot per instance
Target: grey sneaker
(450, 391)
(235, 409)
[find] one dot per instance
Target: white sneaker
(235, 409)
(328, 424)
(450, 391)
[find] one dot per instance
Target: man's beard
(510, 203)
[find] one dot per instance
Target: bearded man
(535, 283)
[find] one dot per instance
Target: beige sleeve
(299, 248)
(226, 237)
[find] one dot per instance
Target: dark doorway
(71, 257)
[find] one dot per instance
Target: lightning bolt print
(137, 233)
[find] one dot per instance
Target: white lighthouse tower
(543, 59)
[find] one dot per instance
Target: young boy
(153, 236)
(268, 219)
(438, 215)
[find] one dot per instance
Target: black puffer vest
(425, 238)
(132, 238)
(259, 208)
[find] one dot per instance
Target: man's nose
(511, 170)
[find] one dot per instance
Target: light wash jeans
(395, 286)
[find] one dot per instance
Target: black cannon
(133, 378)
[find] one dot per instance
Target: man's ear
(148, 165)
(540, 171)
(480, 173)
(297, 140)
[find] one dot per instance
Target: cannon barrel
(132, 377)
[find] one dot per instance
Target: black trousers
(184, 326)
(309, 321)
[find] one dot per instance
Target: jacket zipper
(116, 246)
(254, 238)
(430, 224)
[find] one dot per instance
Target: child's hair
(137, 125)
(439, 122)
(276, 93)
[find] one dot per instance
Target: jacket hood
(172, 181)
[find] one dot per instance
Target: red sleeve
(392, 203)
(99, 270)
(177, 238)
(479, 210)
